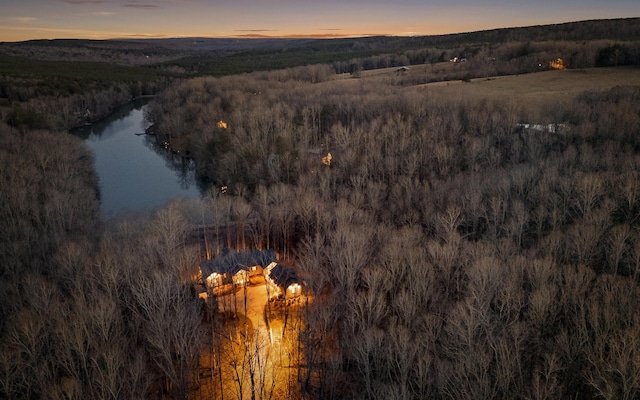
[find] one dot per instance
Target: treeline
(121, 52)
(450, 251)
(602, 29)
(60, 95)
(491, 59)
(74, 109)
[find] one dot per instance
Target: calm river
(135, 175)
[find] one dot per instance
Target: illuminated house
(233, 268)
(558, 63)
(282, 282)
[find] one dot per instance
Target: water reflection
(135, 173)
(184, 166)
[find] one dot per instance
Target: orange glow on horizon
(92, 19)
(47, 35)
(19, 33)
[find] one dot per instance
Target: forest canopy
(462, 248)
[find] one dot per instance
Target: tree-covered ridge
(153, 51)
(60, 95)
(386, 51)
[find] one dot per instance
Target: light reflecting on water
(135, 175)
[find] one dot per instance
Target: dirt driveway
(256, 300)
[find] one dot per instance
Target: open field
(544, 83)
(540, 93)
(539, 89)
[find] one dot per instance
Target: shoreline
(111, 113)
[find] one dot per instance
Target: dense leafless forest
(451, 248)
(452, 252)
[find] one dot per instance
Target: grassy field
(538, 89)
(539, 92)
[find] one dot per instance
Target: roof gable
(283, 276)
(230, 261)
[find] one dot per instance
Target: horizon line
(302, 36)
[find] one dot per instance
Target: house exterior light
(240, 278)
(294, 288)
(214, 279)
(558, 63)
(327, 159)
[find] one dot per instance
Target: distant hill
(153, 51)
(72, 65)
(612, 29)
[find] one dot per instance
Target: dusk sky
(104, 19)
